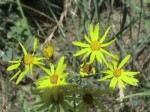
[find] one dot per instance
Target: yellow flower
(47, 50)
(54, 77)
(26, 63)
(94, 47)
(118, 74)
(86, 69)
(88, 98)
(56, 104)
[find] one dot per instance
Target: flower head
(54, 77)
(47, 50)
(86, 69)
(89, 97)
(95, 46)
(26, 63)
(118, 74)
(55, 103)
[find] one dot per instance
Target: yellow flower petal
(91, 32)
(60, 71)
(92, 57)
(35, 45)
(40, 81)
(87, 39)
(106, 77)
(103, 58)
(60, 66)
(52, 68)
(107, 44)
(39, 58)
(23, 48)
(106, 52)
(80, 44)
(134, 79)
(22, 74)
(113, 83)
(14, 61)
(63, 75)
(12, 67)
(93, 70)
(124, 61)
(109, 65)
(38, 63)
(121, 83)
(83, 74)
(96, 32)
(99, 57)
(14, 76)
(128, 80)
(104, 36)
(130, 73)
(81, 52)
(114, 64)
(86, 55)
(107, 72)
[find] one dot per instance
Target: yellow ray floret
(94, 47)
(118, 75)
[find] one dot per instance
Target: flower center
(88, 98)
(28, 59)
(53, 79)
(95, 45)
(87, 68)
(117, 72)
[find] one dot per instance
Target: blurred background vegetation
(61, 22)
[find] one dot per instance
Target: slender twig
(59, 23)
(36, 11)
(24, 18)
(121, 94)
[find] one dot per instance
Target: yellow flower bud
(47, 50)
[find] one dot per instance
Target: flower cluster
(95, 49)
(57, 91)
